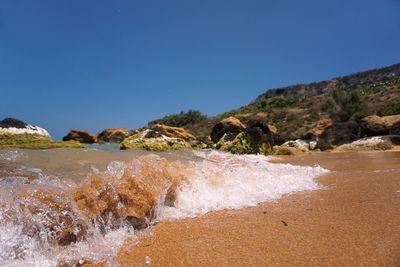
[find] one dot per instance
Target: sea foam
(226, 181)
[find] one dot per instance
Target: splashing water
(48, 222)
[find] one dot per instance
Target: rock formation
(229, 127)
(112, 135)
(18, 134)
(80, 136)
(375, 125)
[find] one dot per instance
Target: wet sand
(354, 220)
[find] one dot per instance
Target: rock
(229, 126)
(272, 129)
(255, 139)
(17, 134)
(142, 141)
(313, 145)
(174, 132)
(369, 143)
(375, 125)
(286, 150)
(395, 129)
(319, 128)
(80, 136)
(16, 127)
(112, 135)
(12, 123)
(338, 134)
(301, 145)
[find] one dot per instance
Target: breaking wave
(47, 221)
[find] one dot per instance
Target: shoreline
(352, 220)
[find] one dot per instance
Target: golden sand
(354, 220)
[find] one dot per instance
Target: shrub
(181, 119)
(392, 108)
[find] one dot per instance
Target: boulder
(230, 127)
(319, 128)
(395, 129)
(12, 123)
(11, 126)
(256, 139)
(301, 145)
(80, 136)
(339, 133)
(112, 135)
(153, 141)
(375, 125)
(368, 143)
(174, 132)
(17, 134)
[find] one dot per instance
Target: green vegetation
(351, 103)
(181, 119)
(391, 108)
(294, 110)
(34, 142)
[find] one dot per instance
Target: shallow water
(65, 206)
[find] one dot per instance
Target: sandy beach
(353, 220)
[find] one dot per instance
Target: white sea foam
(226, 181)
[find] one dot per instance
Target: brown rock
(338, 134)
(375, 125)
(231, 126)
(174, 132)
(112, 135)
(80, 136)
(395, 129)
(320, 127)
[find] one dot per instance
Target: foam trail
(225, 181)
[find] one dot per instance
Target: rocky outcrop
(339, 133)
(12, 123)
(17, 127)
(255, 139)
(174, 132)
(395, 129)
(153, 140)
(319, 128)
(230, 127)
(375, 125)
(80, 136)
(18, 134)
(112, 135)
(370, 143)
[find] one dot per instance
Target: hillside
(294, 110)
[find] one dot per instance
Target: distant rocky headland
(356, 112)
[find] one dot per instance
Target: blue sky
(95, 64)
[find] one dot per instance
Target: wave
(48, 222)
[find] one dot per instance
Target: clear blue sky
(95, 64)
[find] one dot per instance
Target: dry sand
(353, 221)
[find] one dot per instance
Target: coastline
(352, 220)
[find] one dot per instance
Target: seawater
(44, 222)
